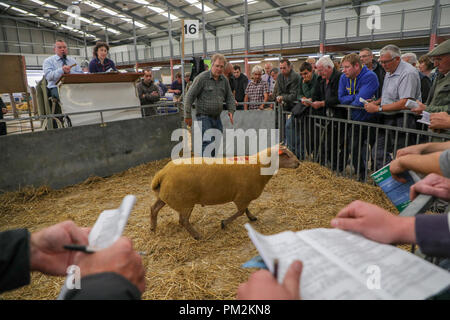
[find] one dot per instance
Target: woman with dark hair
(101, 63)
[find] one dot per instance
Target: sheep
(182, 186)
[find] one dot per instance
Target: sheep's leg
(184, 221)
(154, 213)
(241, 210)
(250, 216)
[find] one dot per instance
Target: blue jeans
(293, 137)
(54, 92)
(209, 123)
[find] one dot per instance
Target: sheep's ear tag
(280, 152)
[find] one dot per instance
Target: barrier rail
(351, 148)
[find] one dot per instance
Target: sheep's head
(287, 158)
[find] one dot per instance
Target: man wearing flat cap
(439, 97)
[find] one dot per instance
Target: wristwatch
(380, 109)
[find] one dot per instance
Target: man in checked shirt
(210, 90)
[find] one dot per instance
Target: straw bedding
(177, 266)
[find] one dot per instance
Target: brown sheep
(182, 186)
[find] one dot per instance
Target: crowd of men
(376, 90)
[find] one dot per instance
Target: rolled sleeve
(433, 234)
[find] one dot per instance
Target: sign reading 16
(191, 29)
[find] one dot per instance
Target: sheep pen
(177, 266)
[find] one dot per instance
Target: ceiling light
(38, 2)
(19, 10)
(272, 59)
(254, 62)
(92, 4)
(109, 11)
(237, 61)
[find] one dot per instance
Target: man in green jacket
(308, 83)
(439, 98)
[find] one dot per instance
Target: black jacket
(15, 272)
(380, 72)
(425, 86)
(330, 94)
(238, 85)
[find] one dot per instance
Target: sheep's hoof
(222, 224)
(252, 218)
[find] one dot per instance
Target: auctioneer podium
(97, 91)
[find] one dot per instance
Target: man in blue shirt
(58, 65)
(358, 82)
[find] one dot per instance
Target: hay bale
(179, 267)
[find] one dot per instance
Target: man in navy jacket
(358, 82)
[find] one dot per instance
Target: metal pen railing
(351, 148)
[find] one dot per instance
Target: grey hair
(392, 49)
(220, 57)
(410, 57)
(325, 61)
(257, 69)
(276, 70)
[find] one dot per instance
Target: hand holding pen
(262, 285)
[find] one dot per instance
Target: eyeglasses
(364, 56)
(304, 73)
(386, 61)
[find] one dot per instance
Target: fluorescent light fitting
(156, 9)
(85, 20)
(4, 4)
(109, 11)
(199, 6)
(142, 1)
(237, 61)
(19, 10)
(92, 4)
(113, 31)
(271, 59)
(293, 59)
(254, 62)
(38, 2)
